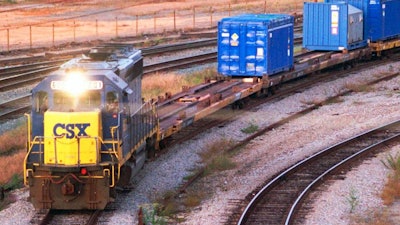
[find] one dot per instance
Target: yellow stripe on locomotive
(72, 138)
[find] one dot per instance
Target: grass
(13, 141)
(353, 200)
(389, 195)
(376, 217)
(359, 87)
(219, 163)
(251, 128)
(391, 191)
(215, 158)
(151, 216)
(158, 84)
(12, 153)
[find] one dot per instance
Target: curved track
(278, 201)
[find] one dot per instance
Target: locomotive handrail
(113, 128)
(29, 134)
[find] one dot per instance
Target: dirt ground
(31, 24)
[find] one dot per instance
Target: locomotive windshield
(64, 102)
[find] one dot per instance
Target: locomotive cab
(86, 124)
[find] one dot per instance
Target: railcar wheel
(151, 147)
(1, 193)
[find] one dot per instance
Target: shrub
(251, 128)
(391, 191)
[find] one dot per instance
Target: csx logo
(61, 129)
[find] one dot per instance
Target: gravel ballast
(268, 154)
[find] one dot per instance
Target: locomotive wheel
(125, 177)
(1, 193)
(151, 148)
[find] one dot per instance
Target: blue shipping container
(332, 27)
(253, 45)
(381, 18)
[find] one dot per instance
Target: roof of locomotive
(107, 60)
(107, 76)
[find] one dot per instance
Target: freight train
(89, 130)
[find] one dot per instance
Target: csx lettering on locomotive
(69, 130)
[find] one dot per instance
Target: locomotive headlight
(76, 83)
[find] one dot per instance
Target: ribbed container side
(332, 27)
(253, 45)
(380, 18)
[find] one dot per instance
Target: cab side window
(41, 101)
(112, 102)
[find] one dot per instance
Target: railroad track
(180, 62)
(18, 76)
(279, 201)
(290, 88)
(15, 107)
(225, 116)
(161, 49)
(247, 213)
(65, 217)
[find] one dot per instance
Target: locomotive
(89, 130)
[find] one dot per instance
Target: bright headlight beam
(76, 83)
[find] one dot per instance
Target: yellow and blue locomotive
(89, 130)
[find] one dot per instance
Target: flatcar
(261, 45)
(89, 130)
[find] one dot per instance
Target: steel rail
(314, 183)
(160, 49)
(382, 135)
(180, 62)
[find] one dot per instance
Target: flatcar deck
(192, 104)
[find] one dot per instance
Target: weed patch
(158, 84)
(12, 141)
(151, 214)
(391, 190)
(376, 217)
(251, 128)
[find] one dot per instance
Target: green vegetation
(158, 84)
(391, 191)
(389, 194)
(359, 87)
(11, 1)
(251, 128)
(151, 215)
(12, 153)
(392, 162)
(353, 200)
(13, 140)
(215, 159)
